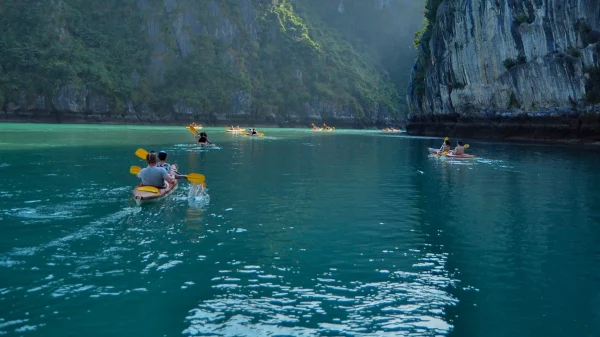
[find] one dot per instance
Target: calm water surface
(350, 233)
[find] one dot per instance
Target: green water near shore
(344, 233)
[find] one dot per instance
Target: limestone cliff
(497, 59)
(212, 61)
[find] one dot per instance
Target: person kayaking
(203, 139)
(162, 157)
(154, 175)
(446, 147)
(459, 150)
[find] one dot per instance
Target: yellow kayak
(235, 130)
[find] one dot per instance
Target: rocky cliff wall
(504, 59)
(164, 61)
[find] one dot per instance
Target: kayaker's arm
(170, 179)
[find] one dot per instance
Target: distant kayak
(235, 130)
(391, 130)
(460, 156)
(147, 194)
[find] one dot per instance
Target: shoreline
(576, 129)
(541, 130)
(107, 120)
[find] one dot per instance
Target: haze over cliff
(272, 61)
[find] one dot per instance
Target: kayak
(460, 156)
(251, 135)
(391, 130)
(143, 194)
(240, 130)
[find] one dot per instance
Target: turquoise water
(352, 233)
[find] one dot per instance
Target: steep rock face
(505, 57)
(208, 61)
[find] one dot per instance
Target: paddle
(141, 153)
(135, 169)
(195, 178)
(192, 129)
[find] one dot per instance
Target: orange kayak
(143, 195)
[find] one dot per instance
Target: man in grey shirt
(154, 175)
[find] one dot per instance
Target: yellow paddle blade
(192, 130)
(141, 153)
(444, 153)
(467, 146)
(135, 169)
(445, 139)
(150, 189)
(195, 178)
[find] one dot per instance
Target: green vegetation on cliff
(421, 43)
(47, 45)
(256, 59)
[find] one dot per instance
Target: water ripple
(254, 301)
